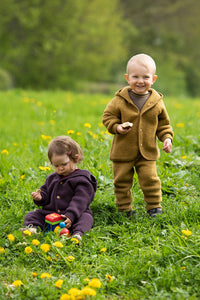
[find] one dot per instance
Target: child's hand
(167, 146)
(68, 222)
(36, 195)
(122, 130)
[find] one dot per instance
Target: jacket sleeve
(164, 129)
(45, 195)
(112, 116)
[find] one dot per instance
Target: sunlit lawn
(119, 258)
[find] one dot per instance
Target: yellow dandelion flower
(67, 297)
(15, 144)
(74, 292)
(70, 131)
(17, 283)
(45, 247)
(88, 125)
(45, 275)
(27, 232)
(87, 280)
(44, 168)
(4, 151)
(78, 133)
(184, 157)
(2, 250)
(52, 122)
(183, 268)
(39, 103)
(22, 176)
(28, 250)
(87, 291)
(34, 274)
(59, 283)
(107, 132)
(103, 250)
(70, 258)
(180, 125)
(100, 125)
(49, 258)
(35, 242)
(109, 278)
(54, 111)
(186, 232)
(58, 244)
(45, 137)
(75, 240)
(11, 237)
(95, 282)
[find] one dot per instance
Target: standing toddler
(137, 116)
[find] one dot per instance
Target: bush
(6, 81)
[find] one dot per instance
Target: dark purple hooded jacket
(70, 196)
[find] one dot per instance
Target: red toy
(55, 223)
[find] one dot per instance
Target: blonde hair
(144, 60)
(65, 145)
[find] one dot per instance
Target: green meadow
(119, 258)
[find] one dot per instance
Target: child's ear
(154, 78)
(126, 77)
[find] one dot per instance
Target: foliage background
(86, 44)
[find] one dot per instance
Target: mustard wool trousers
(149, 182)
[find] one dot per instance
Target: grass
(127, 259)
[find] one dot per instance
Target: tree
(47, 43)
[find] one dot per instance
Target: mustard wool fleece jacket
(148, 125)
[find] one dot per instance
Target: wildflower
(35, 242)
(186, 232)
(88, 125)
(22, 176)
(45, 247)
(11, 237)
(109, 278)
(74, 292)
(70, 131)
(27, 232)
(45, 275)
(75, 240)
(180, 125)
(45, 137)
(184, 157)
(100, 124)
(87, 291)
(67, 297)
(39, 103)
(86, 280)
(2, 250)
(78, 133)
(52, 122)
(70, 258)
(44, 168)
(103, 250)
(95, 282)
(54, 111)
(34, 274)
(183, 268)
(59, 283)
(28, 250)
(58, 244)
(48, 258)
(17, 283)
(5, 152)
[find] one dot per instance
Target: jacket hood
(78, 173)
(123, 92)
